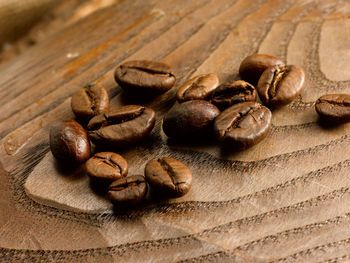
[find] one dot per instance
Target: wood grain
(284, 200)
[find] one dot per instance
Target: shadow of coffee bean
(232, 78)
(131, 212)
(228, 150)
(148, 142)
(115, 91)
(107, 148)
(328, 125)
(136, 97)
(198, 141)
(158, 197)
(74, 171)
(99, 188)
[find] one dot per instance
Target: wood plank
(283, 200)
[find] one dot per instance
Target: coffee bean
(122, 127)
(127, 191)
(192, 118)
(229, 94)
(254, 65)
(142, 76)
(243, 125)
(106, 167)
(198, 88)
(168, 176)
(69, 142)
(90, 101)
(280, 85)
(334, 107)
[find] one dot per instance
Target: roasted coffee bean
(90, 101)
(243, 125)
(69, 142)
(229, 94)
(192, 118)
(127, 191)
(280, 85)
(334, 107)
(106, 167)
(198, 88)
(254, 65)
(122, 127)
(168, 176)
(146, 77)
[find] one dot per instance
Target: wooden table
(286, 199)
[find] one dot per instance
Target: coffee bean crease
(108, 161)
(92, 97)
(236, 121)
(127, 191)
(122, 117)
(151, 71)
(169, 171)
(113, 164)
(277, 77)
(334, 102)
(125, 184)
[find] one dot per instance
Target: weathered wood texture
(64, 14)
(284, 200)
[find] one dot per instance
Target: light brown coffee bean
(334, 107)
(145, 77)
(168, 176)
(280, 85)
(90, 101)
(198, 88)
(106, 167)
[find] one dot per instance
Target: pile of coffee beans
(229, 111)
(119, 128)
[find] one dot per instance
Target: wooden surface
(284, 200)
(52, 19)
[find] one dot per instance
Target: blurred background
(24, 23)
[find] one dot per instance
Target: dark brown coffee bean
(192, 118)
(334, 107)
(243, 125)
(229, 94)
(90, 101)
(127, 191)
(106, 167)
(69, 142)
(145, 76)
(198, 88)
(280, 85)
(168, 176)
(254, 65)
(122, 127)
